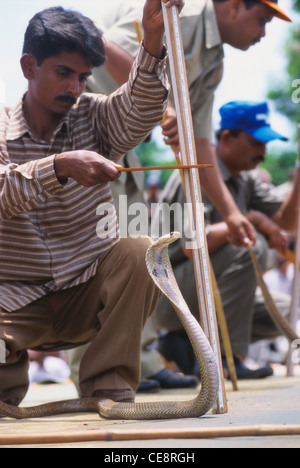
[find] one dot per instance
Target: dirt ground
(271, 401)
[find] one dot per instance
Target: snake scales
(280, 321)
(159, 267)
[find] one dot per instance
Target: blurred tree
(280, 166)
(285, 91)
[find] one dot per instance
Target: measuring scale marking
(199, 210)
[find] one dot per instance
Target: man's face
(243, 153)
(59, 81)
(249, 26)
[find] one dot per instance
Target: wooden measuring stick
(294, 317)
(224, 332)
(193, 192)
(218, 301)
(220, 311)
(163, 168)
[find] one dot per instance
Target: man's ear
(235, 7)
(28, 64)
(226, 136)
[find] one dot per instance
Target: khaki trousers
(110, 310)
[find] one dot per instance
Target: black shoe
(148, 386)
(176, 347)
(170, 380)
(244, 373)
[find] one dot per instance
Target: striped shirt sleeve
(24, 187)
(129, 115)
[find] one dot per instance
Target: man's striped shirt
(48, 238)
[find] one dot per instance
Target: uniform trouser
(109, 311)
(247, 317)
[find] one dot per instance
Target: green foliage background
(281, 91)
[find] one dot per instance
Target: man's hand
(170, 128)
(86, 167)
(269, 229)
(153, 23)
(242, 232)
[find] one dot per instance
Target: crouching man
(61, 285)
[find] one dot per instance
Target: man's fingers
(250, 233)
(171, 3)
(110, 169)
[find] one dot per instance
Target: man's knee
(134, 251)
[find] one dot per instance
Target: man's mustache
(259, 159)
(65, 98)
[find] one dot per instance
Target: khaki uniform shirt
(247, 190)
(249, 193)
(202, 47)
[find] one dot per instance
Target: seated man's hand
(269, 229)
(242, 231)
(86, 167)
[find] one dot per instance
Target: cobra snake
(280, 321)
(160, 269)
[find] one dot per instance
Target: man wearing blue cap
(241, 147)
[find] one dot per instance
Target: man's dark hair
(235, 132)
(54, 30)
(249, 3)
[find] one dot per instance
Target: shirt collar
(212, 32)
(18, 125)
(224, 171)
(227, 177)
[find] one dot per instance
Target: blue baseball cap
(251, 117)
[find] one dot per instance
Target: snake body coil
(159, 267)
(280, 321)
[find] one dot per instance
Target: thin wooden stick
(154, 434)
(163, 168)
(138, 30)
(193, 192)
(224, 332)
(294, 317)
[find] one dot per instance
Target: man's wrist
(59, 168)
(154, 45)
